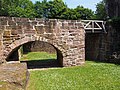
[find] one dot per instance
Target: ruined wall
(113, 8)
(111, 41)
(112, 44)
(102, 47)
(67, 36)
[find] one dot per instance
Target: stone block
(13, 76)
(33, 23)
(11, 23)
(3, 21)
(52, 23)
(65, 26)
(78, 24)
(23, 23)
(40, 29)
(15, 32)
(71, 24)
(27, 26)
(7, 33)
(21, 19)
(48, 29)
(28, 31)
(1, 28)
(48, 36)
(40, 22)
(39, 19)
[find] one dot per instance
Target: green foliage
(17, 8)
(46, 9)
(69, 14)
(22, 8)
(84, 13)
(101, 11)
(41, 9)
(56, 8)
(78, 13)
(4, 7)
(91, 76)
(50, 9)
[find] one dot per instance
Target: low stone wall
(38, 46)
(13, 76)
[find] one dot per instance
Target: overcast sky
(73, 3)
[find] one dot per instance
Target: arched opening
(37, 54)
(14, 55)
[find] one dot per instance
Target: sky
(91, 4)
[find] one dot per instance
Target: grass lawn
(91, 76)
(38, 56)
(37, 60)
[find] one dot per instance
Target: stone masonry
(67, 36)
(111, 41)
(38, 46)
(13, 76)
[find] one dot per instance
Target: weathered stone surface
(64, 35)
(110, 43)
(13, 76)
(39, 47)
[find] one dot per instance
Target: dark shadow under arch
(13, 56)
(33, 64)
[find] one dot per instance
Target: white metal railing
(94, 25)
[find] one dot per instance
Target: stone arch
(68, 36)
(17, 43)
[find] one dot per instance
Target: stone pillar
(71, 36)
(1, 46)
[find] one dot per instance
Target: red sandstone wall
(38, 46)
(67, 36)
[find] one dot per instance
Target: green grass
(91, 76)
(38, 56)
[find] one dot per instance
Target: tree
(17, 8)
(84, 13)
(78, 13)
(56, 8)
(50, 9)
(41, 9)
(101, 11)
(22, 8)
(69, 14)
(4, 7)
